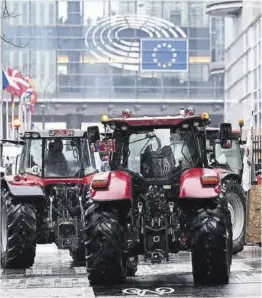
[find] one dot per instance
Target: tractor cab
(228, 158)
(156, 148)
(56, 154)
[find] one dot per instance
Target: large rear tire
(18, 233)
(104, 247)
(211, 243)
(237, 206)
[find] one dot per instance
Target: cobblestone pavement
(54, 275)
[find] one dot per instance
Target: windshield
(160, 152)
(67, 158)
(230, 156)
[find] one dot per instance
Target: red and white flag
(18, 78)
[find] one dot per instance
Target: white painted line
(80, 270)
(86, 292)
(46, 248)
(183, 268)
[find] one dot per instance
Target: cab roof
(154, 121)
(54, 133)
(214, 130)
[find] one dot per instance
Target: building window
(52, 13)
(24, 14)
(33, 13)
(196, 14)
(42, 14)
(199, 72)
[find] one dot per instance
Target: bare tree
(6, 14)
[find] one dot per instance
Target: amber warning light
(241, 122)
(101, 180)
(209, 180)
(61, 133)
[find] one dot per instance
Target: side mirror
(17, 163)
(93, 134)
(226, 135)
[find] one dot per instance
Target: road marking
(80, 270)
(49, 292)
(39, 271)
(144, 292)
(183, 268)
(54, 282)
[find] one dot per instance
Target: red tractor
(159, 196)
(44, 202)
(228, 163)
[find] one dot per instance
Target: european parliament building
(95, 57)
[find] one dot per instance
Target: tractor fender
(119, 187)
(191, 186)
(23, 191)
(226, 174)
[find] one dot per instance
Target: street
(54, 275)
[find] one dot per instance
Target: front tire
(237, 206)
(18, 233)
(211, 243)
(104, 247)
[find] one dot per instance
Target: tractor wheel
(104, 247)
(131, 266)
(211, 244)
(18, 233)
(237, 206)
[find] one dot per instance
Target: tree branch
(5, 14)
(17, 44)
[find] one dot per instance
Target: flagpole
(7, 118)
(20, 112)
(29, 119)
(1, 79)
(25, 116)
(13, 119)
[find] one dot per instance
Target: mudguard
(23, 191)
(119, 187)
(226, 174)
(191, 185)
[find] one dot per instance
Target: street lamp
(17, 124)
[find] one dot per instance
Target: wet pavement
(54, 275)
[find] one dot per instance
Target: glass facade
(243, 76)
(59, 58)
(217, 39)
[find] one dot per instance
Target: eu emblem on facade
(164, 54)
